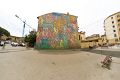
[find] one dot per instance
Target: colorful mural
(57, 31)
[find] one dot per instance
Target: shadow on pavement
(59, 52)
(104, 52)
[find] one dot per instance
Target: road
(105, 51)
(19, 63)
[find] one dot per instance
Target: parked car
(2, 43)
(14, 44)
(22, 44)
(7, 42)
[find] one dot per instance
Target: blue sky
(91, 13)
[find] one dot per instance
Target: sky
(91, 13)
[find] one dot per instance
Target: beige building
(81, 36)
(112, 28)
(3, 37)
(94, 40)
(16, 39)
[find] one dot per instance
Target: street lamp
(24, 23)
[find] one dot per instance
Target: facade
(104, 40)
(81, 36)
(94, 40)
(112, 28)
(16, 39)
(3, 37)
(57, 31)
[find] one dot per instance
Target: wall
(56, 30)
(109, 27)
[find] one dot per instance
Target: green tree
(4, 31)
(31, 39)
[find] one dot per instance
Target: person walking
(4, 45)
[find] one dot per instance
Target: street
(19, 63)
(105, 51)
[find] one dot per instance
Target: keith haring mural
(57, 30)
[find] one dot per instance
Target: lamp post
(24, 23)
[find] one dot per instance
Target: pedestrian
(4, 45)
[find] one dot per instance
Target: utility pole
(24, 24)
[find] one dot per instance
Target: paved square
(19, 63)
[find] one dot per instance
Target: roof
(81, 32)
(58, 14)
(112, 15)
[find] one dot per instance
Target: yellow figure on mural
(61, 43)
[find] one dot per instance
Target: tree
(4, 31)
(31, 39)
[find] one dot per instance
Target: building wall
(16, 39)
(112, 27)
(94, 41)
(3, 37)
(56, 30)
(81, 35)
(118, 24)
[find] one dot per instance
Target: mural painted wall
(57, 30)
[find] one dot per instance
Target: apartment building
(112, 28)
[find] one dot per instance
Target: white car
(23, 44)
(14, 44)
(2, 43)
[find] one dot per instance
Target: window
(79, 37)
(111, 17)
(115, 35)
(114, 30)
(113, 26)
(118, 20)
(112, 22)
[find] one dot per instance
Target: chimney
(67, 13)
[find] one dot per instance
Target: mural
(57, 31)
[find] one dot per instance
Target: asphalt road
(111, 52)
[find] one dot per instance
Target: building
(3, 37)
(94, 40)
(81, 36)
(57, 31)
(112, 28)
(16, 39)
(104, 40)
